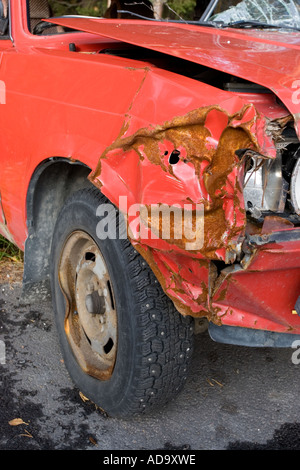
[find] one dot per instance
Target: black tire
(154, 342)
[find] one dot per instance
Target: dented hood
(268, 58)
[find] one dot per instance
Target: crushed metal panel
(189, 160)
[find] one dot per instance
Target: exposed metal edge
(276, 237)
(249, 337)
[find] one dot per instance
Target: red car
(150, 171)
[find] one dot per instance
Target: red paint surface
(269, 60)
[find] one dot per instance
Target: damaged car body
(197, 117)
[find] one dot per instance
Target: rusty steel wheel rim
(90, 318)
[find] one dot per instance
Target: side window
(80, 7)
(37, 11)
(4, 19)
(43, 9)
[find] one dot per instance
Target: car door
(5, 45)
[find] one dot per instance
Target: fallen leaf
(211, 384)
(219, 383)
(83, 398)
(93, 441)
(17, 422)
(27, 434)
(210, 381)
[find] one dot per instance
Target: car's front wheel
(124, 344)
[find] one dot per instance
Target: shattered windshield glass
(272, 12)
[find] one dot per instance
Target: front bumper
(250, 337)
(262, 293)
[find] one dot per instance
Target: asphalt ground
(235, 398)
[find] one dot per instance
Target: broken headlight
(273, 186)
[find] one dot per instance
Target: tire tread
(164, 337)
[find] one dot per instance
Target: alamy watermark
(176, 223)
(296, 353)
(2, 92)
(2, 352)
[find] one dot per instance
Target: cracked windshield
(222, 13)
(271, 12)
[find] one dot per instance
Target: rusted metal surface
(207, 171)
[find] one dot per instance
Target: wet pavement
(235, 398)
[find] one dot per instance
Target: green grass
(9, 250)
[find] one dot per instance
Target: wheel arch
(52, 182)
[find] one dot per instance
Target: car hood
(268, 58)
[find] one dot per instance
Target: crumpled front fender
(187, 163)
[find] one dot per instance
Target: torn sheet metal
(264, 293)
(188, 161)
